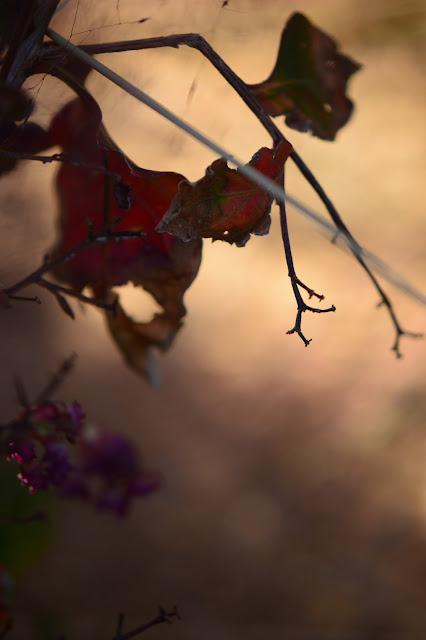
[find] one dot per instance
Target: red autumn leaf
(224, 204)
(308, 83)
(161, 264)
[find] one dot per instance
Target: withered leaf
(308, 83)
(137, 340)
(163, 265)
(224, 204)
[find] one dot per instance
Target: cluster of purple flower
(101, 467)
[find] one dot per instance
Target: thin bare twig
(36, 277)
(45, 395)
(163, 616)
(357, 252)
(21, 393)
(57, 288)
(65, 158)
(120, 622)
(56, 380)
(296, 283)
(35, 299)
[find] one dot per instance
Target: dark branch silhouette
(36, 277)
(51, 52)
(162, 617)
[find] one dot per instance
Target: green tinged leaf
(224, 204)
(308, 83)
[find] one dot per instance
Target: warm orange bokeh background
(294, 502)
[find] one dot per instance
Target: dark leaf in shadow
(308, 83)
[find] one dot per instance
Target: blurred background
(294, 498)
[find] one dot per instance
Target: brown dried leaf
(224, 204)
